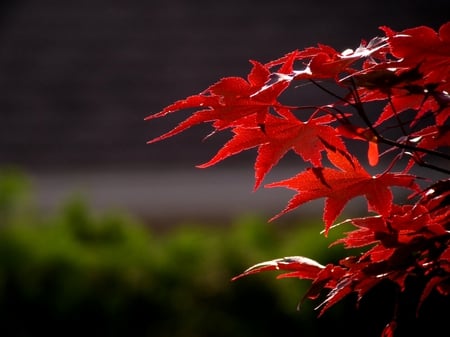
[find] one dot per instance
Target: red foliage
(409, 73)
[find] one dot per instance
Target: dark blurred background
(77, 79)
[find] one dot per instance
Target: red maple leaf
(303, 267)
(406, 71)
(325, 62)
(426, 48)
(278, 136)
(430, 138)
(407, 102)
(229, 100)
(340, 186)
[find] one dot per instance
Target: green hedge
(74, 273)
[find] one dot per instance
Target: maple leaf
(325, 62)
(340, 186)
(399, 103)
(278, 136)
(426, 48)
(365, 234)
(303, 267)
(431, 138)
(328, 277)
(407, 71)
(229, 100)
(437, 197)
(410, 240)
(402, 226)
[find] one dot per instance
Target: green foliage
(74, 273)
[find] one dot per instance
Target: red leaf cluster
(407, 74)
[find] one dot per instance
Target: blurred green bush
(75, 274)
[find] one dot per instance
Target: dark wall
(77, 78)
